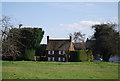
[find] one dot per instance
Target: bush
(89, 55)
(80, 55)
(29, 54)
(83, 55)
(74, 56)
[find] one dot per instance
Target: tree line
(105, 42)
(24, 43)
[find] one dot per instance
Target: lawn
(58, 70)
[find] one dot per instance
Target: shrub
(74, 56)
(29, 54)
(83, 55)
(80, 55)
(89, 55)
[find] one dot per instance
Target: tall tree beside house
(106, 39)
(31, 40)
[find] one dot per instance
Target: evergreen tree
(106, 40)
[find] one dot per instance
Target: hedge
(80, 55)
(89, 55)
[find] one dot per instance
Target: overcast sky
(59, 19)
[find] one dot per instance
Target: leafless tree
(9, 38)
(78, 37)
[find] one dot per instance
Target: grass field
(57, 70)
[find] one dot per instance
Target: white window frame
(59, 59)
(49, 52)
(53, 59)
(63, 52)
(63, 58)
(52, 52)
(59, 52)
(48, 58)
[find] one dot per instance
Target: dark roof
(90, 43)
(58, 44)
(78, 46)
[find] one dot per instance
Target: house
(79, 46)
(58, 49)
(89, 44)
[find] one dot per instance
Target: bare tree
(78, 37)
(9, 38)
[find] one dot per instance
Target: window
(61, 52)
(52, 58)
(63, 58)
(48, 58)
(58, 58)
(50, 52)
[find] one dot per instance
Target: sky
(59, 19)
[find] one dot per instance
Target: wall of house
(57, 56)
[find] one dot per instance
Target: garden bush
(29, 54)
(80, 55)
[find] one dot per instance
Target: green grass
(57, 70)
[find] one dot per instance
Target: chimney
(70, 38)
(47, 39)
(20, 25)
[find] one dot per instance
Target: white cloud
(82, 25)
(109, 19)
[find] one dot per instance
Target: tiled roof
(90, 43)
(62, 44)
(79, 46)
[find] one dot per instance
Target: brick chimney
(20, 25)
(47, 39)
